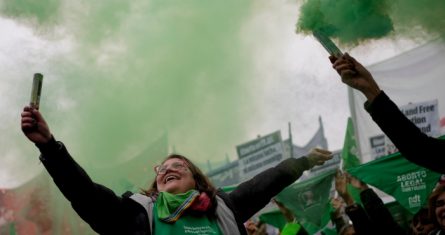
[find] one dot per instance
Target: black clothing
(373, 217)
(412, 143)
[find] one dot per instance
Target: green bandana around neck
(170, 207)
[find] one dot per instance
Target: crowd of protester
(371, 216)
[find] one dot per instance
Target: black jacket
(373, 217)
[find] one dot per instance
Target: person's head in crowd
(348, 229)
(421, 223)
(436, 205)
(177, 174)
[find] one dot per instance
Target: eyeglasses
(177, 166)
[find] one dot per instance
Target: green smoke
(139, 70)
(351, 21)
(169, 67)
(347, 20)
(137, 78)
(40, 12)
(419, 19)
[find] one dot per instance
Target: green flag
(309, 200)
(274, 218)
(349, 155)
(407, 182)
(349, 152)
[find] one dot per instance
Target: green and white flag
(350, 157)
(407, 182)
(309, 200)
(349, 152)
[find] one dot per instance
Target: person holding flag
(371, 219)
(412, 143)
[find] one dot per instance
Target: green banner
(309, 200)
(407, 182)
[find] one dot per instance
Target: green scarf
(171, 206)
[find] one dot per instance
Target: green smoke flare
(347, 20)
(351, 21)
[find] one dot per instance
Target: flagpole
(290, 142)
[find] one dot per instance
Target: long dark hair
(202, 182)
(432, 203)
(422, 216)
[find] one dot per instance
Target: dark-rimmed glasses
(177, 166)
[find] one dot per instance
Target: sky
(211, 75)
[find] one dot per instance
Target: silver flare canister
(36, 90)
